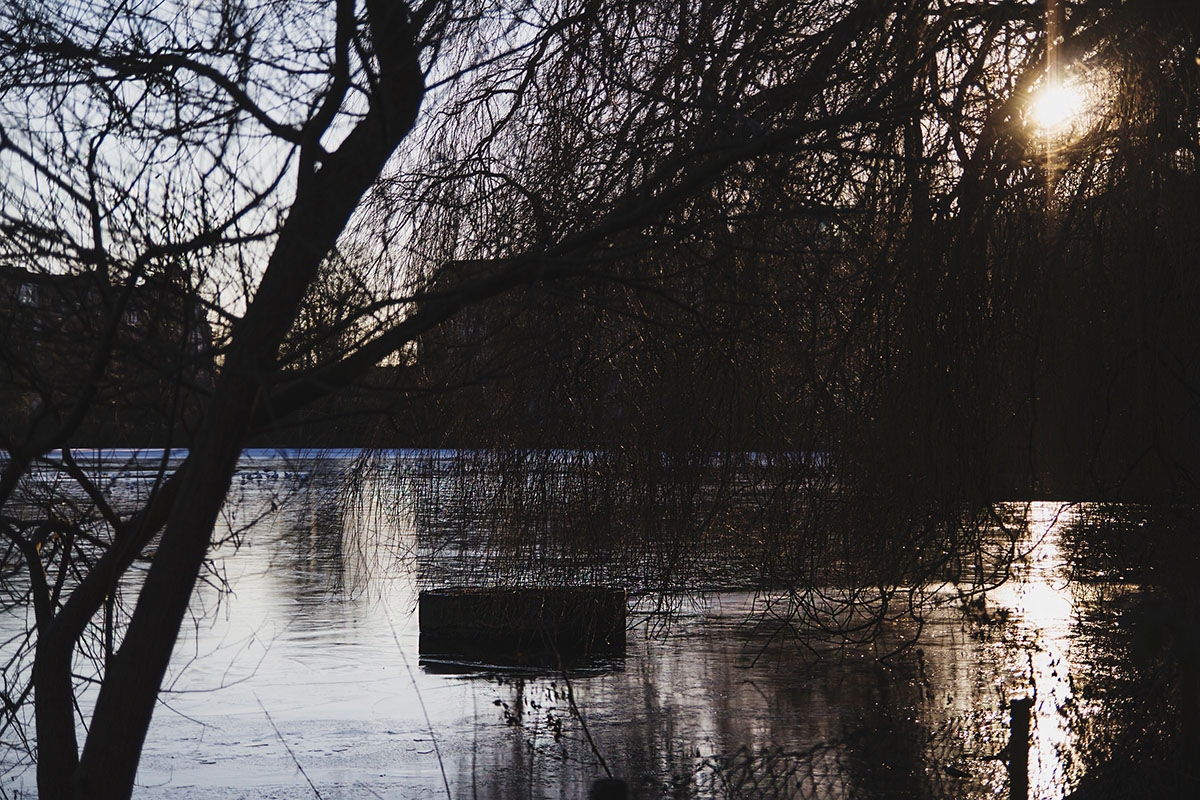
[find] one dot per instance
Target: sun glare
(1057, 108)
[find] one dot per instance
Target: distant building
(138, 357)
(581, 362)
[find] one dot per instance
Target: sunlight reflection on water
(1042, 602)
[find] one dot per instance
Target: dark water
(299, 669)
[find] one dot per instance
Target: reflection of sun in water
(1042, 599)
(1042, 604)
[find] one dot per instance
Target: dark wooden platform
(525, 627)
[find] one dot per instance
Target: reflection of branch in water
(575, 712)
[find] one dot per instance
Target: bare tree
(245, 137)
(818, 189)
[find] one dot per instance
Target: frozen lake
(299, 672)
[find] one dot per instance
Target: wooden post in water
(1018, 748)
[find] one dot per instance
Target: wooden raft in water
(549, 627)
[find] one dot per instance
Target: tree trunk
(324, 203)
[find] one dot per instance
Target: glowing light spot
(1057, 107)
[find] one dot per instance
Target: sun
(1057, 108)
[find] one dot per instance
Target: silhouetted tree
(814, 225)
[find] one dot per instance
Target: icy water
(299, 676)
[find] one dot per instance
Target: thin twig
(283, 741)
(428, 725)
